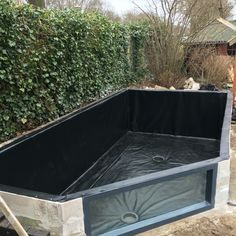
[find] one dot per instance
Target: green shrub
(52, 61)
(138, 36)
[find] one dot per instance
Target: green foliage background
(52, 61)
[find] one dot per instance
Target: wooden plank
(7, 230)
(11, 218)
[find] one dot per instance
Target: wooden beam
(227, 23)
(11, 218)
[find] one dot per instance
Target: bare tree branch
(171, 21)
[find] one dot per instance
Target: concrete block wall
(222, 183)
(232, 190)
(60, 219)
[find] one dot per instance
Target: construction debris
(190, 84)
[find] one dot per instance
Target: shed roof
(220, 31)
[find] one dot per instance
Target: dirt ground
(216, 222)
(213, 223)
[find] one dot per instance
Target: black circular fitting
(159, 159)
(130, 218)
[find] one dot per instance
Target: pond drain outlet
(159, 159)
(130, 218)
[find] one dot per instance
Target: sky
(122, 6)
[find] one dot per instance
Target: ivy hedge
(53, 61)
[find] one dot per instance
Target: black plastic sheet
(115, 139)
(130, 207)
(138, 154)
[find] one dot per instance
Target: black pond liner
(137, 158)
